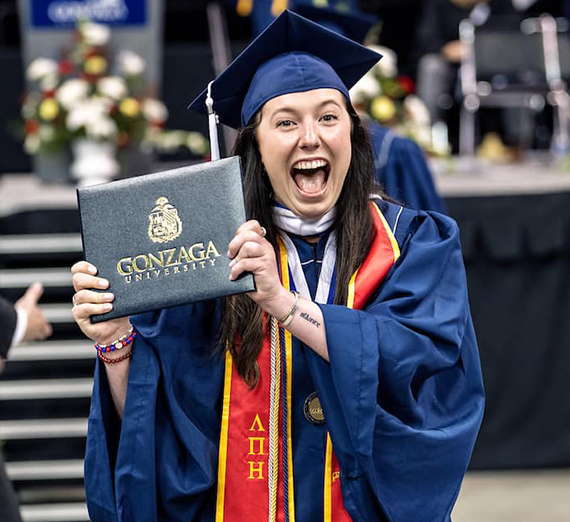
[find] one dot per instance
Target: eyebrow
(292, 110)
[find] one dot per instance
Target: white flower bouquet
(388, 98)
(84, 95)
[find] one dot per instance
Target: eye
(329, 118)
(285, 123)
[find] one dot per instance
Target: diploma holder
(161, 239)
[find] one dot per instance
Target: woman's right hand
(86, 302)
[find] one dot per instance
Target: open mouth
(311, 176)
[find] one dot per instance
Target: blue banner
(66, 13)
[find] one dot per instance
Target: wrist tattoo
(307, 317)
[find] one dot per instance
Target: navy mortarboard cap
(350, 23)
(292, 55)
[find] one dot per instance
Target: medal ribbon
(255, 470)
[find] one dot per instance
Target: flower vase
(134, 161)
(52, 167)
(94, 162)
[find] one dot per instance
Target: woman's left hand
(251, 252)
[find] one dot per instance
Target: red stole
(255, 470)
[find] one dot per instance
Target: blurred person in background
(440, 52)
(440, 47)
(22, 321)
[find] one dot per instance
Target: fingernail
(108, 297)
(232, 263)
(104, 283)
(92, 270)
(107, 307)
(228, 254)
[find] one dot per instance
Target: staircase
(45, 389)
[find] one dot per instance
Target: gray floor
(522, 496)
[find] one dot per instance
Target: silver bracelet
(289, 317)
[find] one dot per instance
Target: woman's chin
(312, 210)
(308, 205)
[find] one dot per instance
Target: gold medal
(313, 410)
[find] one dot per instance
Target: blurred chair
(524, 68)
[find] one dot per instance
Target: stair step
(65, 448)
(42, 429)
(51, 493)
(40, 243)
(45, 389)
(53, 350)
(68, 512)
(27, 194)
(45, 469)
(22, 278)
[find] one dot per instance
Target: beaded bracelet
(119, 344)
(107, 360)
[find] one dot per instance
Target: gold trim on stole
(223, 451)
(328, 481)
(391, 235)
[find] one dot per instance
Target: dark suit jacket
(8, 318)
(8, 500)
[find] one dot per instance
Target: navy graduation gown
(401, 169)
(402, 399)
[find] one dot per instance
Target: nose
(310, 138)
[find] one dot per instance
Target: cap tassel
(212, 125)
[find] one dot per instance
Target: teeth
(310, 165)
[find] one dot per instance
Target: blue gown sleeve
(403, 393)
(161, 462)
(413, 177)
(402, 170)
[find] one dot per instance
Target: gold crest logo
(164, 223)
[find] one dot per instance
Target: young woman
(347, 386)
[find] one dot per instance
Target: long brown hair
(241, 316)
